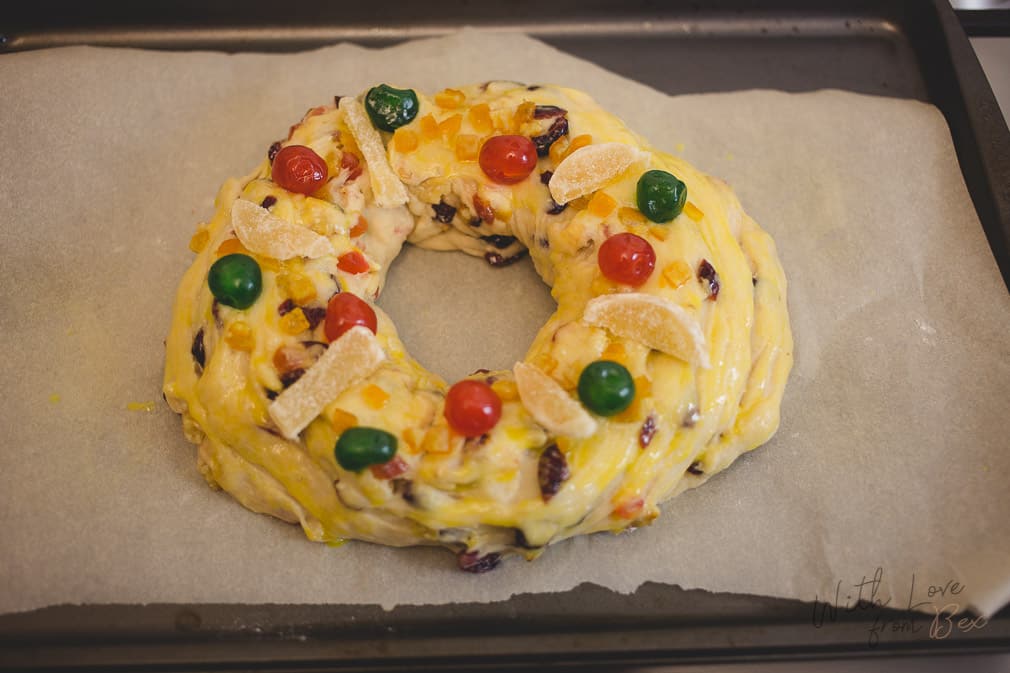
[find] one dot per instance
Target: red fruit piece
(472, 408)
(298, 169)
(345, 311)
(508, 159)
(627, 258)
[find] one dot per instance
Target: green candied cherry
(660, 195)
(606, 387)
(360, 447)
(391, 108)
(235, 280)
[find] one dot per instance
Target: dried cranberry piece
(548, 111)
(443, 212)
(552, 471)
(543, 142)
(476, 222)
(268, 201)
(473, 562)
(390, 469)
(197, 349)
(405, 489)
(483, 209)
(546, 176)
(521, 541)
(286, 306)
(274, 149)
(288, 378)
(707, 272)
(314, 314)
(648, 431)
(556, 208)
(496, 260)
(695, 468)
(499, 241)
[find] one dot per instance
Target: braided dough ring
(706, 338)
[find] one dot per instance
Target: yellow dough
(711, 394)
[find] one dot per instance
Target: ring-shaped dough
(526, 483)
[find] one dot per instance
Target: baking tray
(907, 49)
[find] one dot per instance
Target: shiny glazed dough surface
(481, 497)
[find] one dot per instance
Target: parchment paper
(892, 452)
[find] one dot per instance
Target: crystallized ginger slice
(266, 234)
(550, 405)
(653, 321)
(348, 360)
(589, 168)
(387, 188)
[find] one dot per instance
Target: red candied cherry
(472, 408)
(297, 168)
(627, 258)
(345, 311)
(353, 262)
(508, 159)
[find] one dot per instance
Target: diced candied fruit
(523, 114)
(341, 420)
(629, 509)
(601, 204)
(578, 142)
(390, 469)
(659, 232)
(199, 240)
(429, 127)
(374, 396)
(450, 98)
(676, 274)
(506, 390)
(239, 336)
(231, 246)
(545, 362)
(294, 322)
(298, 286)
(467, 147)
(353, 262)
(692, 211)
(410, 441)
(634, 412)
(438, 439)
(558, 148)
(480, 118)
(631, 216)
(404, 140)
(615, 351)
(288, 358)
(449, 126)
(268, 263)
(360, 227)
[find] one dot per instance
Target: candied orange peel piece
(264, 233)
(550, 405)
(590, 168)
(388, 189)
(653, 321)
(347, 361)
